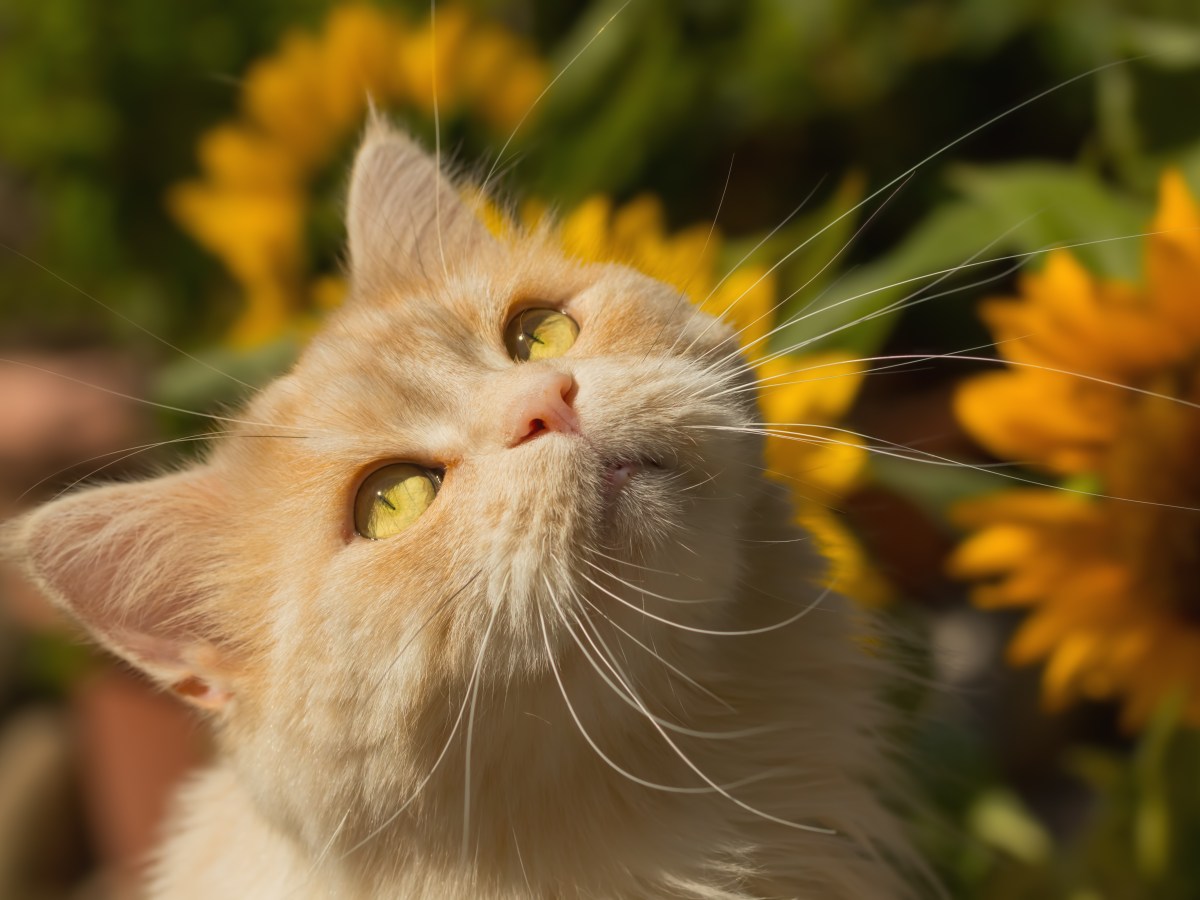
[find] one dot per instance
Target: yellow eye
(391, 499)
(539, 334)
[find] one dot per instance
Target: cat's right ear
(135, 564)
(405, 220)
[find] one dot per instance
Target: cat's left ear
(135, 564)
(406, 221)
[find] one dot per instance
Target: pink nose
(543, 406)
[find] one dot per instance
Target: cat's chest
(223, 847)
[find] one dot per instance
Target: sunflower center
(1156, 464)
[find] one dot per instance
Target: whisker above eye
(910, 300)
(546, 90)
(911, 170)
(682, 297)
(811, 278)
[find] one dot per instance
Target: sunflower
(300, 106)
(1102, 391)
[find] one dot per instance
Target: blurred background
(976, 215)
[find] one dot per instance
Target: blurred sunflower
(1113, 581)
(254, 203)
(801, 397)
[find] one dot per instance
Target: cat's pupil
(392, 498)
(539, 334)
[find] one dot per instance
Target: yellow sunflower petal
(1173, 259)
(428, 66)
(814, 390)
(1042, 631)
(284, 96)
(1040, 419)
(820, 468)
(268, 313)
(359, 49)
(745, 300)
(237, 157)
(991, 551)
(851, 572)
(584, 231)
(1066, 666)
(256, 235)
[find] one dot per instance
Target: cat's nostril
(542, 408)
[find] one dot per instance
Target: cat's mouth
(619, 473)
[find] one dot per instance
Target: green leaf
(1042, 206)
(1000, 819)
(1165, 45)
(937, 486)
(1012, 215)
(858, 312)
(1152, 817)
(210, 378)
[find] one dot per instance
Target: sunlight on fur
(596, 662)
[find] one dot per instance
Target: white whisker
(672, 667)
(120, 315)
(925, 456)
(749, 631)
(445, 747)
(624, 695)
(667, 788)
(724, 792)
(645, 592)
(544, 92)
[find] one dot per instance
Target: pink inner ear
(130, 563)
(403, 213)
(192, 669)
(201, 692)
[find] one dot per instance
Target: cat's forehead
(404, 357)
(459, 321)
(400, 363)
(446, 327)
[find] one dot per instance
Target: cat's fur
(338, 671)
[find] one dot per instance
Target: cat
(489, 597)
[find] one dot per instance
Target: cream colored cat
(488, 598)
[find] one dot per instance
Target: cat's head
(488, 440)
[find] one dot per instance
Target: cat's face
(287, 585)
(542, 468)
